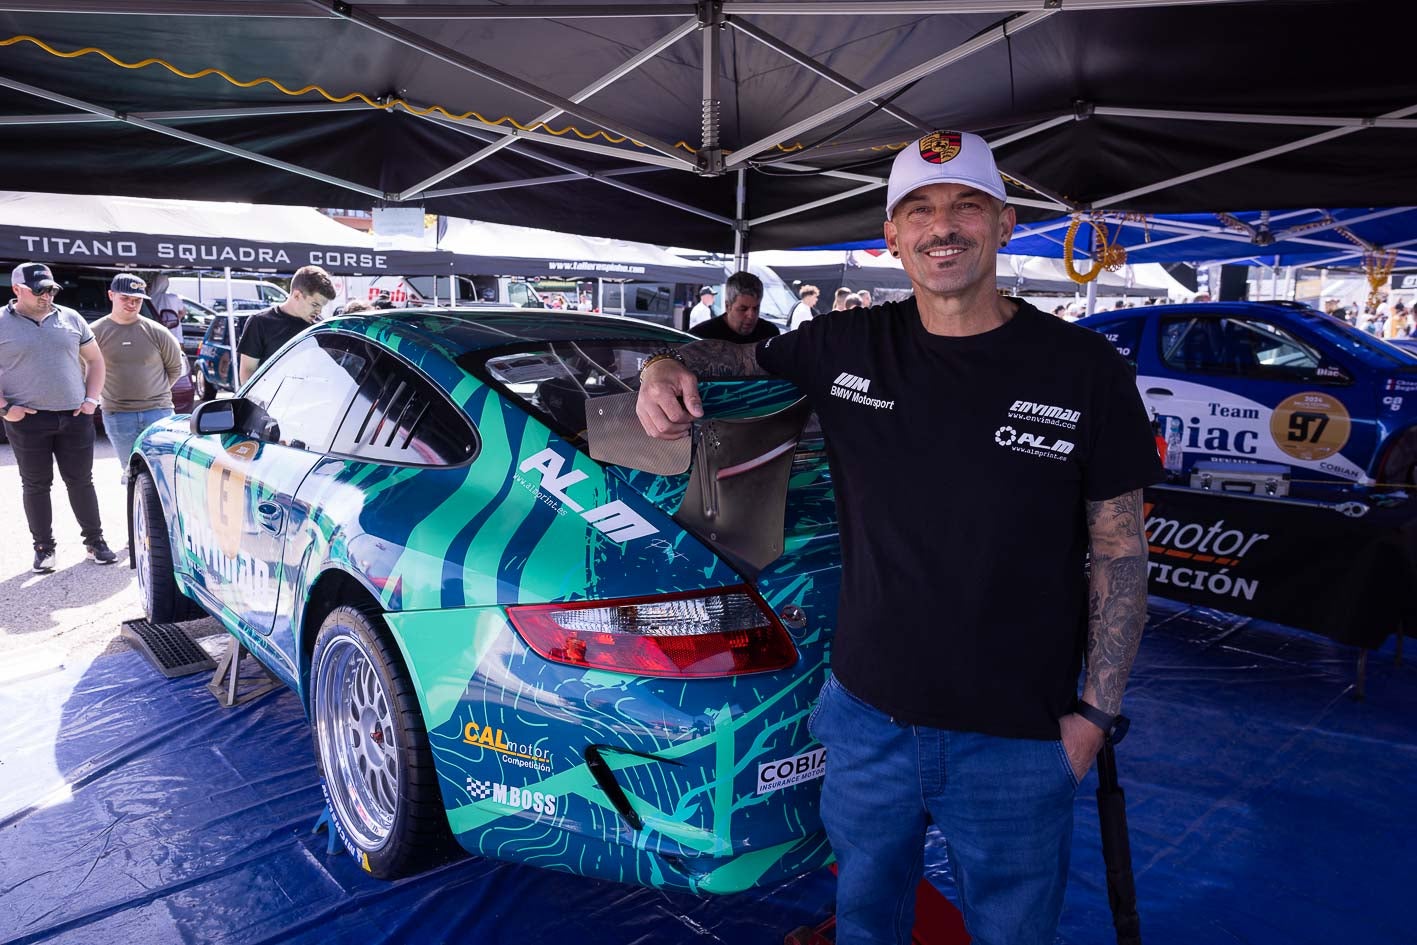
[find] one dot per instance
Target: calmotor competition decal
(226, 496)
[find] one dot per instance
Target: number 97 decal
(1310, 426)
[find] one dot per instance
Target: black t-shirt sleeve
(1123, 455)
(791, 354)
(253, 339)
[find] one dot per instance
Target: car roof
(1267, 309)
(473, 329)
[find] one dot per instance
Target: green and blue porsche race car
(503, 643)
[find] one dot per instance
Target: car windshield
(554, 379)
(1356, 341)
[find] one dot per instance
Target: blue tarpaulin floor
(1266, 806)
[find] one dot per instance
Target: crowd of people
(1390, 319)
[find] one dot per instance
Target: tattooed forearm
(721, 359)
(1117, 597)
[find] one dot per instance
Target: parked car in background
(195, 320)
(1264, 382)
(212, 368)
(500, 641)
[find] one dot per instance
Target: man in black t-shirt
(739, 323)
(980, 450)
(266, 331)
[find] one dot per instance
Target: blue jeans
(1004, 806)
(123, 429)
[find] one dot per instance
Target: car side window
(1238, 347)
(1125, 336)
(303, 395)
(398, 416)
(218, 331)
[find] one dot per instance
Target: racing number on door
(1301, 425)
(1310, 426)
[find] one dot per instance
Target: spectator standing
(806, 308)
(967, 714)
(852, 301)
(839, 302)
(142, 360)
(704, 310)
(169, 306)
(865, 295)
(51, 373)
(743, 296)
(310, 291)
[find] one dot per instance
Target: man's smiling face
(948, 236)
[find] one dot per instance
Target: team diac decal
(616, 520)
(776, 775)
(940, 146)
(1310, 426)
(523, 755)
(523, 798)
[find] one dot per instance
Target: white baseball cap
(944, 157)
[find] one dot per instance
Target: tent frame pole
(567, 178)
(190, 138)
(600, 178)
(492, 74)
(964, 50)
(1248, 159)
(605, 81)
(741, 226)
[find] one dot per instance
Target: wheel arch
(1397, 457)
(334, 587)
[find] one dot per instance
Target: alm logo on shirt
(1032, 444)
(856, 390)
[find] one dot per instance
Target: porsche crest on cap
(940, 146)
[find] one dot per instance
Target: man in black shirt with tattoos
(980, 451)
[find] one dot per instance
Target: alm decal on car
(216, 540)
(616, 520)
(522, 798)
(776, 775)
(519, 754)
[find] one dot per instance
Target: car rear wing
(738, 472)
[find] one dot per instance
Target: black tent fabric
(1137, 105)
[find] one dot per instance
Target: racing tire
(372, 749)
(163, 600)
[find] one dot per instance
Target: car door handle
(1160, 392)
(271, 516)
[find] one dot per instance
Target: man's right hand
(16, 413)
(669, 400)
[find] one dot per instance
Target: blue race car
(1272, 382)
(499, 640)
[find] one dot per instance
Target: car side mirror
(214, 416)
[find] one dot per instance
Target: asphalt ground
(76, 611)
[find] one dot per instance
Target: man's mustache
(944, 242)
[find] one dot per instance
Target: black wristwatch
(1104, 721)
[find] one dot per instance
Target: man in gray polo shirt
(51, 373)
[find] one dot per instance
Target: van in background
(247, 293)
(418, 291)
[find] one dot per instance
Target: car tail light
(695, 634)
(199, 350)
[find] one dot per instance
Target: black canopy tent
(784, 140)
